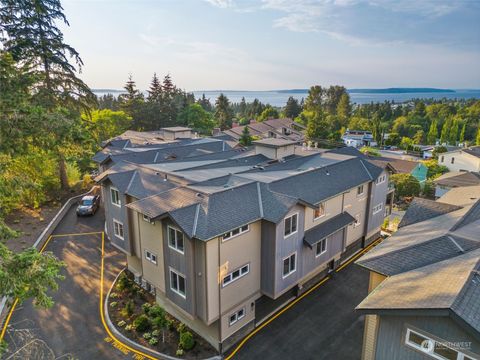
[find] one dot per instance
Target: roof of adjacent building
(274, 143)
(474, 150)
(176, 129)
(399, 166)
(270, 128)
(423, 209)
(327, 228)
(461, 196)
(458, 179)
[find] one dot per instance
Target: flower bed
(135, 314)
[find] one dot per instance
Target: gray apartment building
(424, 292)
(223, 236)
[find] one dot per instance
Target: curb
(45, 235)
(132, 343)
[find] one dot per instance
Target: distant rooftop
(176, 128)
(274, 143)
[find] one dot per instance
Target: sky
(277, 44)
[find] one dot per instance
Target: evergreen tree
(316, 125)
(132, 103)
(462, 133)
(453, 136)
(32, 36)
(477, 140)
(223, 114)
(432, 133)
(445, 131)
(242, 108)
(315, 98)
(205, 103)
(155, 92)
(344, 108)
(292, 108)
(268, 113)
(245, 139)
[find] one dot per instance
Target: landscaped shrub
(113, 304)
(147, 336)
(121, 323)
(156, 311)
(146, 307)
(156, 333)
(128, 308)
(123, 282)
(160, 322)
(142, 323)
(186, 340)
(113, 295)
(153, 341)
(179, 352)
(129, 327)
(181, 328)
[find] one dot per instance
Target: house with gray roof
(212, 235)
(464, 159)
(424, 291)
(454, 179)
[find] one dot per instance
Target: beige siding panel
(151, 240)
(375, 280)
(463, 161)
(333, 207)
(227, 329)
(212, 279)
(369, 337)
(134, 264)
(235, 253)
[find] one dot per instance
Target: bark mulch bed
(128, 302)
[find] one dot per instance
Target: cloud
(221, 3)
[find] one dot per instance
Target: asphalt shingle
(423, 209)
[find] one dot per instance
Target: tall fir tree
(432, 133)
(155, 91)
(223, 113)
(292, 108)
(132, 103)
(245, 138)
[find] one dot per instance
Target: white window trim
(147, 219)
(324, 211)
(363, 190)
(111, 197)
(123, 229)
(377, 208)
(322, 252)
(180, 275)
(149, 257)
(381, 179)
(234, 236)
(237, 317)
(284, 220)
(239, 277)
(430, 351)
(295, 267)
(168, 239)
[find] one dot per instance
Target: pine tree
(155, 92)
(462, 133)
(223, 114)
(242, 107)
(205, 103)
(132, 103)
(292, 108)
(432, 133)
(245, 139)
(32, 36)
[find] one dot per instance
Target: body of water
(279, 98)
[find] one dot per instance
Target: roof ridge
(459, 224)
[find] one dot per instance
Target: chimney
(235, 124)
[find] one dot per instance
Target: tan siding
(333, 207)
(151, 240)
(463, 161)
(375, 280)
(369, 337)
(212, 278)
(227, 329)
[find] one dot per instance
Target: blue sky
(278, 44)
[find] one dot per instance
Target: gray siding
(200, 282)
(183, 264)
(392, 331)
(378, 196)
(113, 211)
(268, 258)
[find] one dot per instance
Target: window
(115, 196)
(175, 239)
(291, 224)
(236, 232)
(118, 229)
(381, 179)
(151, 257)
(360, 190)
(177, 283)
(357, 220)
(236, 316)
(377, 208)
(321, 247)
(442, 159)
(435, 349)
(148, 219)
(319, 212)
(453, 160)
(289, 265)
(236, 274)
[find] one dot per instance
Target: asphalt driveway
(323, 325)
(72, 328)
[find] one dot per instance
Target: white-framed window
(175, 239)
(236, 274)
(177, 283)
(236, 316)
(236, 232)
(357, 220)
(381, 179)
(321, 247)
(289, 265)
(115, 196)
(377, 208)
(151, 257)
(319, 211)
(360, 190)
(291, 224)
(148, 219)
(434, 348)
(118, 229)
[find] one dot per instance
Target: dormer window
(319, 212)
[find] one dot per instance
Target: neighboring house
(415, 168)
(450, 180)
(467, 159)
(286, 129)
(223, 241)
(358, 138)
(428, 150)
(424, 291)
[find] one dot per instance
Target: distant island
(378, 91)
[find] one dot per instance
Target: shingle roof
(471, 216)
(435, 286)
(327, 228)
(474, 150)
(458, 179)
(423, 209)
(461, 196)
(423, 254)
(273, 142)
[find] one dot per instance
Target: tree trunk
(62, 171)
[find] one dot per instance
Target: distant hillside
(400, 90)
